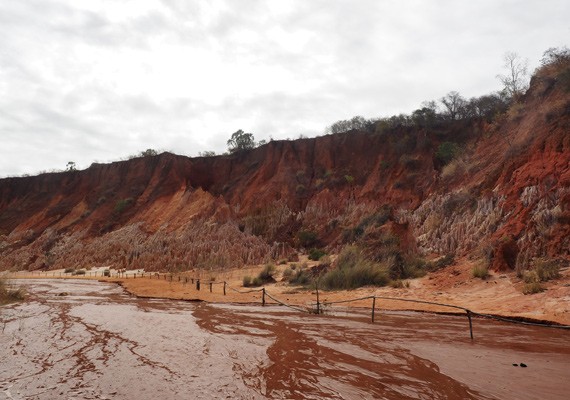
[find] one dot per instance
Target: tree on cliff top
(240, 141)
(149, 153)
(515, 81)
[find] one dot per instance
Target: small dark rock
(523, 365)
(515, 365)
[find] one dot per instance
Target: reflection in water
(96, 342)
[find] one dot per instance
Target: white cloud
(99, 80)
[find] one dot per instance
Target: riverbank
(500, 294)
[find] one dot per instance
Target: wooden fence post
(263, 296)
(318, 303)
(224, 288)
(210, 287)
(373, 307)
(470, 324)
(197, 284)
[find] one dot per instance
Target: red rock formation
(169, 211)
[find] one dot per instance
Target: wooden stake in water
(470, 324)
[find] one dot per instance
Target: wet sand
(98, 342)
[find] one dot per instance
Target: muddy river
(77, 339)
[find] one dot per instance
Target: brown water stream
(89, 340)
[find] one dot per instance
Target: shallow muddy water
(90, 340)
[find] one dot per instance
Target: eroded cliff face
(510, 198)
(507, 196)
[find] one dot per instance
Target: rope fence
(266, 295)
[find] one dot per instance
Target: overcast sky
(100, 80)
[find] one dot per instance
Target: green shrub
(307, 238)
(377, 219)
(530, 276)
(122, 205)
(543, 270)
(79, 272)
(547, 269)
(442, 262)
(301, 277)
(413, 267)
(480, 271)
(266, 274)
(106, 273)
(354, 270)
(316, 254)
(287, 274)
(447, 151)
(532, 288)
(69, 270)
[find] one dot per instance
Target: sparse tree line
(454, 107)
(451, 107)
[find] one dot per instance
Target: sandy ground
(500, 294)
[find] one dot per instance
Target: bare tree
(515, 80)
(556, 56)
(454, 104)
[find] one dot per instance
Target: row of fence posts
(263, 293)
(192, 280)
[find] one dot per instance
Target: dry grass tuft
(10, 295)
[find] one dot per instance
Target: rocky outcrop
(506, 197)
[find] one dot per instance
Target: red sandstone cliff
(507, 195)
